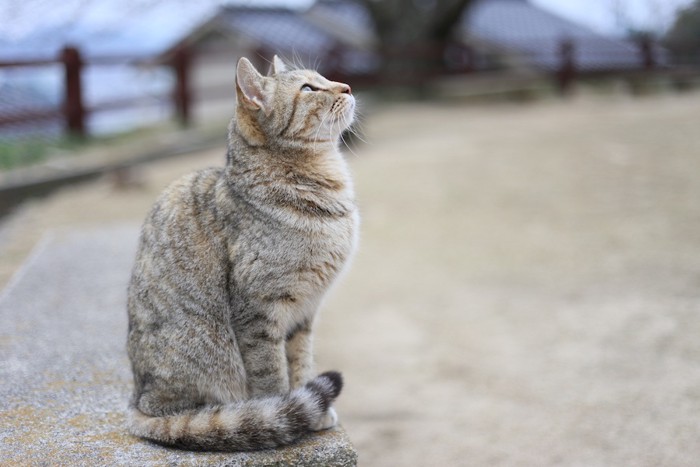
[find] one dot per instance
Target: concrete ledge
(64, 374)
(24, 183)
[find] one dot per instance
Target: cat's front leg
(265, 361)
(301, 369)
(300, 357)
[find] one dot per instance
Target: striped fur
(231, 268)
(253, 424)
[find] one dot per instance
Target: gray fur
(232, 265)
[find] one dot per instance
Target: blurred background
(526, 289)
(97, 69)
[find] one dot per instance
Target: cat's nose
(345, 89)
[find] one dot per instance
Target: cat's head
(290, 105)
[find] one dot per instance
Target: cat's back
(182, 243)
(191, 197)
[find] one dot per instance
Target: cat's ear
(250, 85)
(278, 66)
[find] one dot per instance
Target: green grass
(24, 152)
(33, 150)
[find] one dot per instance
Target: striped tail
(248, 425)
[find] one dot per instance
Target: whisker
(357, 132)
(298, 62)
(357, 127)
(342, 138)
(264, 58)
(326, 114)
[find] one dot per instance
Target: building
(258, 33)
(498, 34)
(519, 33)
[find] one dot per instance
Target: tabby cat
(232, 265)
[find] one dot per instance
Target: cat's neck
(249, 149)
(246, 133)
(310, 168)
(287, 164)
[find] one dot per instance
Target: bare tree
(413, 34)
(659, 13)
(683, 38)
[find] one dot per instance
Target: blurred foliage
(683, 39)
(406, 28)
(25, 151)
(685, 32)
(16, 153)
(401, 20)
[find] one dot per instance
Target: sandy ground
(526, 290)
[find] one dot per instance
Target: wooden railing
(73, 109)
(559, 60)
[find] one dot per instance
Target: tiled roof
(515, 26)
(351, 17)
(104, 28)
(519, 26)
(299, 37)
(280, 30)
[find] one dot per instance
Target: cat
(231, 267)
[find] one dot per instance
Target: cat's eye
(308, 88)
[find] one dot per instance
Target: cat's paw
(328, 420)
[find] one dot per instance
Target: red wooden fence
(73, 110)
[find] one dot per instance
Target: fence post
(182, 95)
(469, 59)
(73, 108)
(567, 67)
(647, 50)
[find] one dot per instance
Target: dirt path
(526, 291)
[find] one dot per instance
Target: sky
(615, 16)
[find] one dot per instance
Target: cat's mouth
(343, 110)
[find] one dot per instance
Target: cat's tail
(248, 425)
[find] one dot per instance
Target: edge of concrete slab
(15, 190)
(64, 374)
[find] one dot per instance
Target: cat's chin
(339, 125)
(344, 111)
(344, 123)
